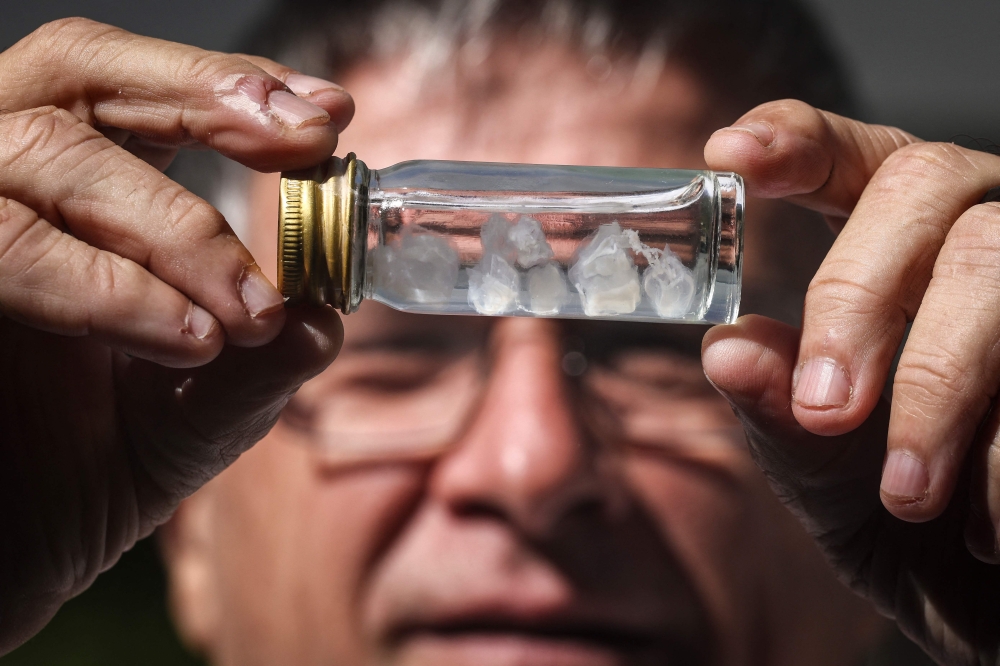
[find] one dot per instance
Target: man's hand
(915, 246)
(114, 279)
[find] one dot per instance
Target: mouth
(500, 641)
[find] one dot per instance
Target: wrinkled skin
(532, 539)
(916, 246)
(141, 348)
(110, 274)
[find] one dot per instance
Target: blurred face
(587, 501)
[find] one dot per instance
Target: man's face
(594, 505)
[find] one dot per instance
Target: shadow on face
(506, 491)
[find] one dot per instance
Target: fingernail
(763, 132)
(904, 476)
(259, 296)
(822, 383)
(199, 322)
(300, 84)
(294, 111)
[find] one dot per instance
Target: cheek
(703, 511)
(297, 544)
(710, 517)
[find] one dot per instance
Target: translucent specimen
(547, 289)
(493, 286)
(605, 274)
(431, 237)
(418, 267)
(669, 284)
(495, 240)
(529, 241)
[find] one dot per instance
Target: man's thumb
(830, 483)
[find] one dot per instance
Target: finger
(325, 94)
(57, 283)
(819, 160)
(829, 482)
(920, 575)
(874, 278)
(187, 426)
(157, 156)
(902, 197)
(947, 376)
(982, 528)
(169, 93)
(75, 178)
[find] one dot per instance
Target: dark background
(927, 66)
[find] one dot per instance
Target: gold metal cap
(321, 224)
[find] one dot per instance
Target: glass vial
(656, 245)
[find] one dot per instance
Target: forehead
(528, 102)
(520, 102)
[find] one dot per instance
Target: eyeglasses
(412, 398)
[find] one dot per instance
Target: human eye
(394, 372)
(662, 400)
(390, 404)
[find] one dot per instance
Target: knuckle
(927, 161)
(980, 222)
(7, 213)
(266, 64)
(786, 107)
(210, 66)
(57, 30)
(972, 247)
(71, 24)
(54, 40)
(15, 222)
(193, 218)
(841, 290)
(932, 377)
(45, 130)
(102, 271)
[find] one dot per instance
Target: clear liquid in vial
(570, 242)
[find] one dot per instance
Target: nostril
(586, 510)
(473, 509)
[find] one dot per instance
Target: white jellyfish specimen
(494, 237)
(605, 274)
(493, 286)
(547, 289)
(417, 268)
(670, 286)
(528, 240)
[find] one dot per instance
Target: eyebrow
(601, 339)
(439, 341)
(595, 339)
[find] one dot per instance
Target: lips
(535, 619)
(554, 640)
(470, 591)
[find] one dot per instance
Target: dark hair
(747, 51)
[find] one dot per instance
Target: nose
(524, 456)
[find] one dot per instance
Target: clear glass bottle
(514, 239)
